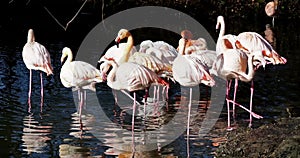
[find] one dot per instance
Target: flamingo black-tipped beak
(117, 40)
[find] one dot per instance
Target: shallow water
(54, 129)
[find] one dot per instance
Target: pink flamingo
(233, 64)
(253, 44)
(132, 77)
(189, 70)
(78, 74)
(36, 57)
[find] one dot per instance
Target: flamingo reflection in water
(35, 136)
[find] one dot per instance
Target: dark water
(54, 129)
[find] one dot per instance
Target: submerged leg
(132, 122)
(30, 82)
(81, 102)
(42, 91)
(29, 91)
(189, 113)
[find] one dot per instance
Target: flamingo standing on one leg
(78, 74)
(233, 64)
(189, 70)
(36, 57)
(132, 77)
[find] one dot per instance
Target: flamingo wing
(132, 76)
(189, 71)
(79, 74)
(150, 61)
(254, 42)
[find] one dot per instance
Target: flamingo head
(65, 52)
(145, 45)
(122, 34)
(258, 59)
(186, 34)
(219, 20)
(30, 36)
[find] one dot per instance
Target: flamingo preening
(36, 57)
(233, 52)
(78, 74)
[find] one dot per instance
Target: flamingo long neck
(69, 56)
(127, 49)
(30, 37)
(111, 81)
(222, 29)
(220, 42)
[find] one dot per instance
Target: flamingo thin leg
(30, 84)
(42, 91)
(81, 103)
(189, 113)
(251, 89)
(228, 106)
(236, 82)
(132, 125)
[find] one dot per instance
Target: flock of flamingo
(191, 63)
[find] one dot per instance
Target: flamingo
(131, 77)
(233, 64)
(78, 74)
(190, 45)
(36, 57)
(249, 42)
(189, 70)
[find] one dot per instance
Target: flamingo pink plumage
(233, 64)
(189, 70)
(254, 46)
(36, 57)
(78, 74)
